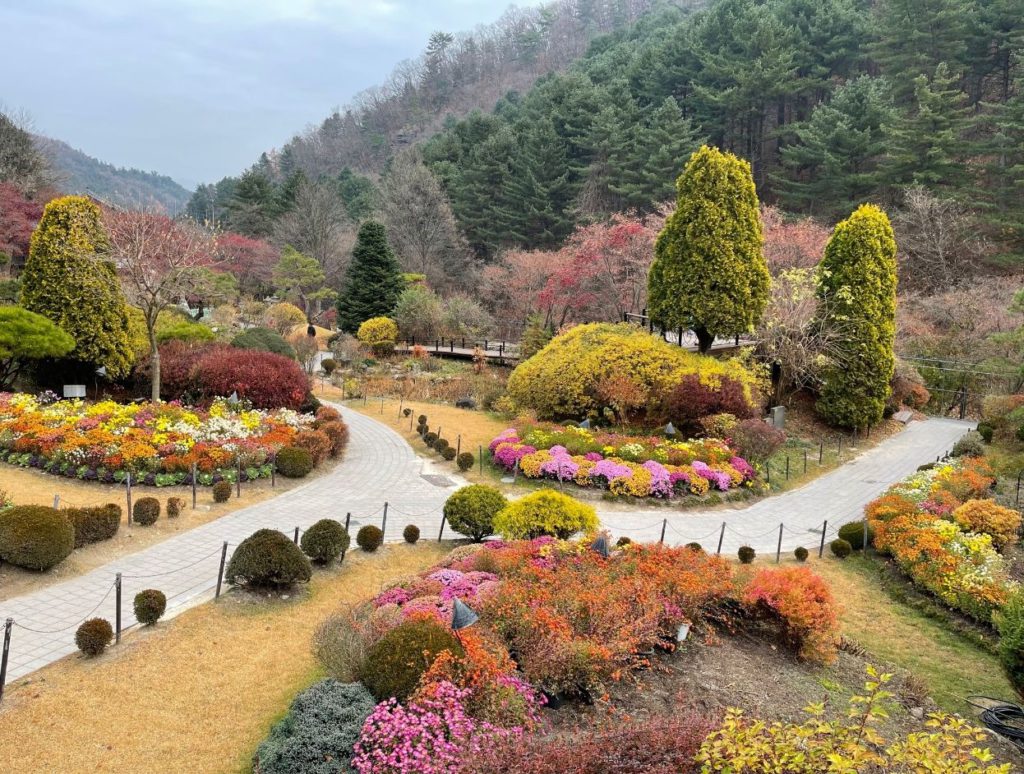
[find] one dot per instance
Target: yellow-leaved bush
(991, 518)
(379, 334)
(567, 377)
(545, 513)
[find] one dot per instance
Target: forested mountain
(77, 172)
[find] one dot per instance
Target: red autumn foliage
(792, 244)
(252, 261)
(18, 217)
(803, 604)
(691, 400)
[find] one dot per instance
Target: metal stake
(664, 523)
(129, 480)
(821, 548)
(721, 537)
(441, 531)
(117, 604)
(220, 572)
(778, 549)
(384, 521)
(296, 536)
(193, 486)
(3, 658)
(238, 477)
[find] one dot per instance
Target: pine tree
(857, 292)
(830, 163)
(373, 281)
(709, 273)
(926, 143)
(253, 206)
(999, 190)
(67, 280)
(536, 191)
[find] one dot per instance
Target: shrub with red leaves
(692, 400)
(802, 602)
(656, 745)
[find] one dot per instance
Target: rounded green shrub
(175, 506)
(264, 339)
(422, 429)
(623, 541)
(840, 548)
(421, 419)
(545, 513)
(971, 444)
(801, 554)
(35, 537)
(369, 538)
(695, 547)
(986, 431)
(329, 365)
(411, 533)
(93, 636)
(1009, 621)
(448, 453)
(465, 461)
(94, 524)
(471, 510)
(150, 606)
(395, 663)
(441, 444)
(853, 533)
(746, 554)
(317, 735)
(268, 559)
(325, 541)
(222, 491)
(146, 511)
(293, 462)
(430, 438)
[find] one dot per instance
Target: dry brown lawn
(195, 694)
(32, 487)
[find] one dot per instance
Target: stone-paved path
(379, 466)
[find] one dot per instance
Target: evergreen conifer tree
(373, 281)
(709, 272)
(857, 290)
(67, 280)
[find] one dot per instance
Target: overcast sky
(197, 89)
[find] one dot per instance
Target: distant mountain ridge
(81, 173)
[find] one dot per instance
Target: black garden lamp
(462, 615)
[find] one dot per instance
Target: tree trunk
(154, 365)
(704, 339)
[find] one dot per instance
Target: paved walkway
(379, 467)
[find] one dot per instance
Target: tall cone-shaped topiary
(709, 272)
(373, 281)
(857, 291)
(67, 280)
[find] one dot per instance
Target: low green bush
(35, 537)
(175, 506)
(395, 663)
(448, 453)
(746, 554)
(293, 462)
(441, 444)
(853, 533)
(268, 559)
(146, 511)
(430, 439)
(465, 461)
(840, 548)
(986, 431)
(411, 533)
(149, 606)
(94, 524)
(471, 510)
(318, 733)
(622, 541)
(329, 365)
(222, 491)
(263, 339)
(545, 513)
(970, 444)
(369, 538)
(1009, 621)
(93, 636)
(421, 419)
(800, 554)
(695, 547)
(325, 541)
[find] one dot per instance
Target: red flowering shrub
(337, 432)
(662, 744)
(803, 603)
(316, 442)
(692, 399)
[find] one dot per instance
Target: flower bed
(916, 522)
(156, 443)
(622, 464)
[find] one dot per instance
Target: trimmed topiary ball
(986, 431)
(94, 524)
(146, 511)
(268, 559)
(545, 512)
(293, 462)
(448, 453)
(396, 662)
(800, 554)
(695, 547)
(971, 444)
(421, 419)
(369, 538)
(93, 636)
(175, 506)
(430, 439)
(622, 541)
(222, 491)
(411, 533)
(150, 606)
(746, 554)
(441, 444)
(840, 548)
(853, 533)
(471, 510)
(35, 537)
(325, 541)
(465, 461)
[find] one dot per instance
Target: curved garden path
(380, 466)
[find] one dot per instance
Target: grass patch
(194, 694)
(952, 666)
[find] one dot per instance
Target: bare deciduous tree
(318, 226)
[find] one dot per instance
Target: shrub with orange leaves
(803, 603)
(990, 518)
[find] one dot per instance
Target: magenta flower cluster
(433, 734)
(717, 478)
(561, 466)
(661, 479)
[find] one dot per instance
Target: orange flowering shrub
(803, 603)
(989, 517)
